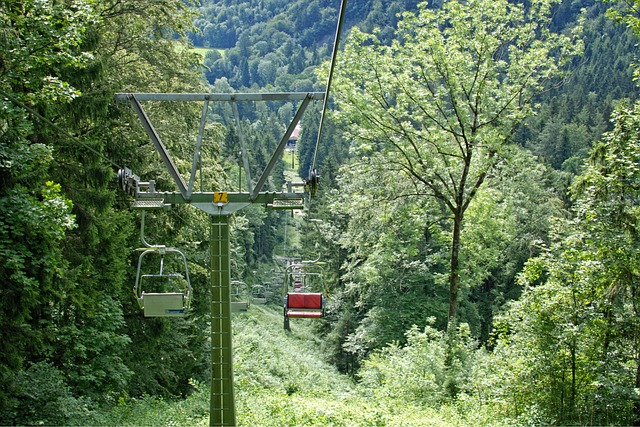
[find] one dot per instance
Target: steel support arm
(218, 97)
(280, 149)
(162, 150)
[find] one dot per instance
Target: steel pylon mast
(220, 205)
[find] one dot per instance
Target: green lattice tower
(220, 205)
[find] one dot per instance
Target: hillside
(278, 43)
(477, 213)
(282, 379)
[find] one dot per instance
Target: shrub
(40, 396)
(432, 369)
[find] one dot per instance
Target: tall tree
(40, 43)
(444, 98)
(62, 269)
(575, 333)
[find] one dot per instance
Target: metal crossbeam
(218, 97)
(235, 201)
(187, 190)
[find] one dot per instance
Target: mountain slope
(281, 379)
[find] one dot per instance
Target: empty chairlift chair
(162, 286)
(171, 290)
(259, 294)
(299, 300)
(240, 299)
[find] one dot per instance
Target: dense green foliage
(277, 43)
(439, 105)
(281, 380)
(70, 332)
(546, 325)
(575, 328)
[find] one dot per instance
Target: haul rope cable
(312, 172)
(313, 176)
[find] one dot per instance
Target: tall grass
(281, 379)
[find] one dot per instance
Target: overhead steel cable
(334, 54)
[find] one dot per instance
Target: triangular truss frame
(207, 201)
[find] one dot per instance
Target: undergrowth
(281, 379)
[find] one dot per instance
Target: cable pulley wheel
(313, 182)
(124, 182)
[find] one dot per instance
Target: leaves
(576, 326)
(44, 40)
(441, 102)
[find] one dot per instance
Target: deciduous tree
(444, 98)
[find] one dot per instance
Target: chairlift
(302, 299)
(267, 293)
(259, 294)
(276, 283)
(239, 300)
(171, 288)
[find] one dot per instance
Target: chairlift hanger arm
(137, 289)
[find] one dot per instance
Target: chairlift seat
(304, 314)
(239, 306)
(304, 305)
(170, 304)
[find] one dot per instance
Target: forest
(476, 217)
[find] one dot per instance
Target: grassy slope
(281, 380)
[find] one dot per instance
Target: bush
(40, 396)
(432, 369)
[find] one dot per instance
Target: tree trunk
(454, 274)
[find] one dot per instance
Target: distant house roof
(296, 133)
